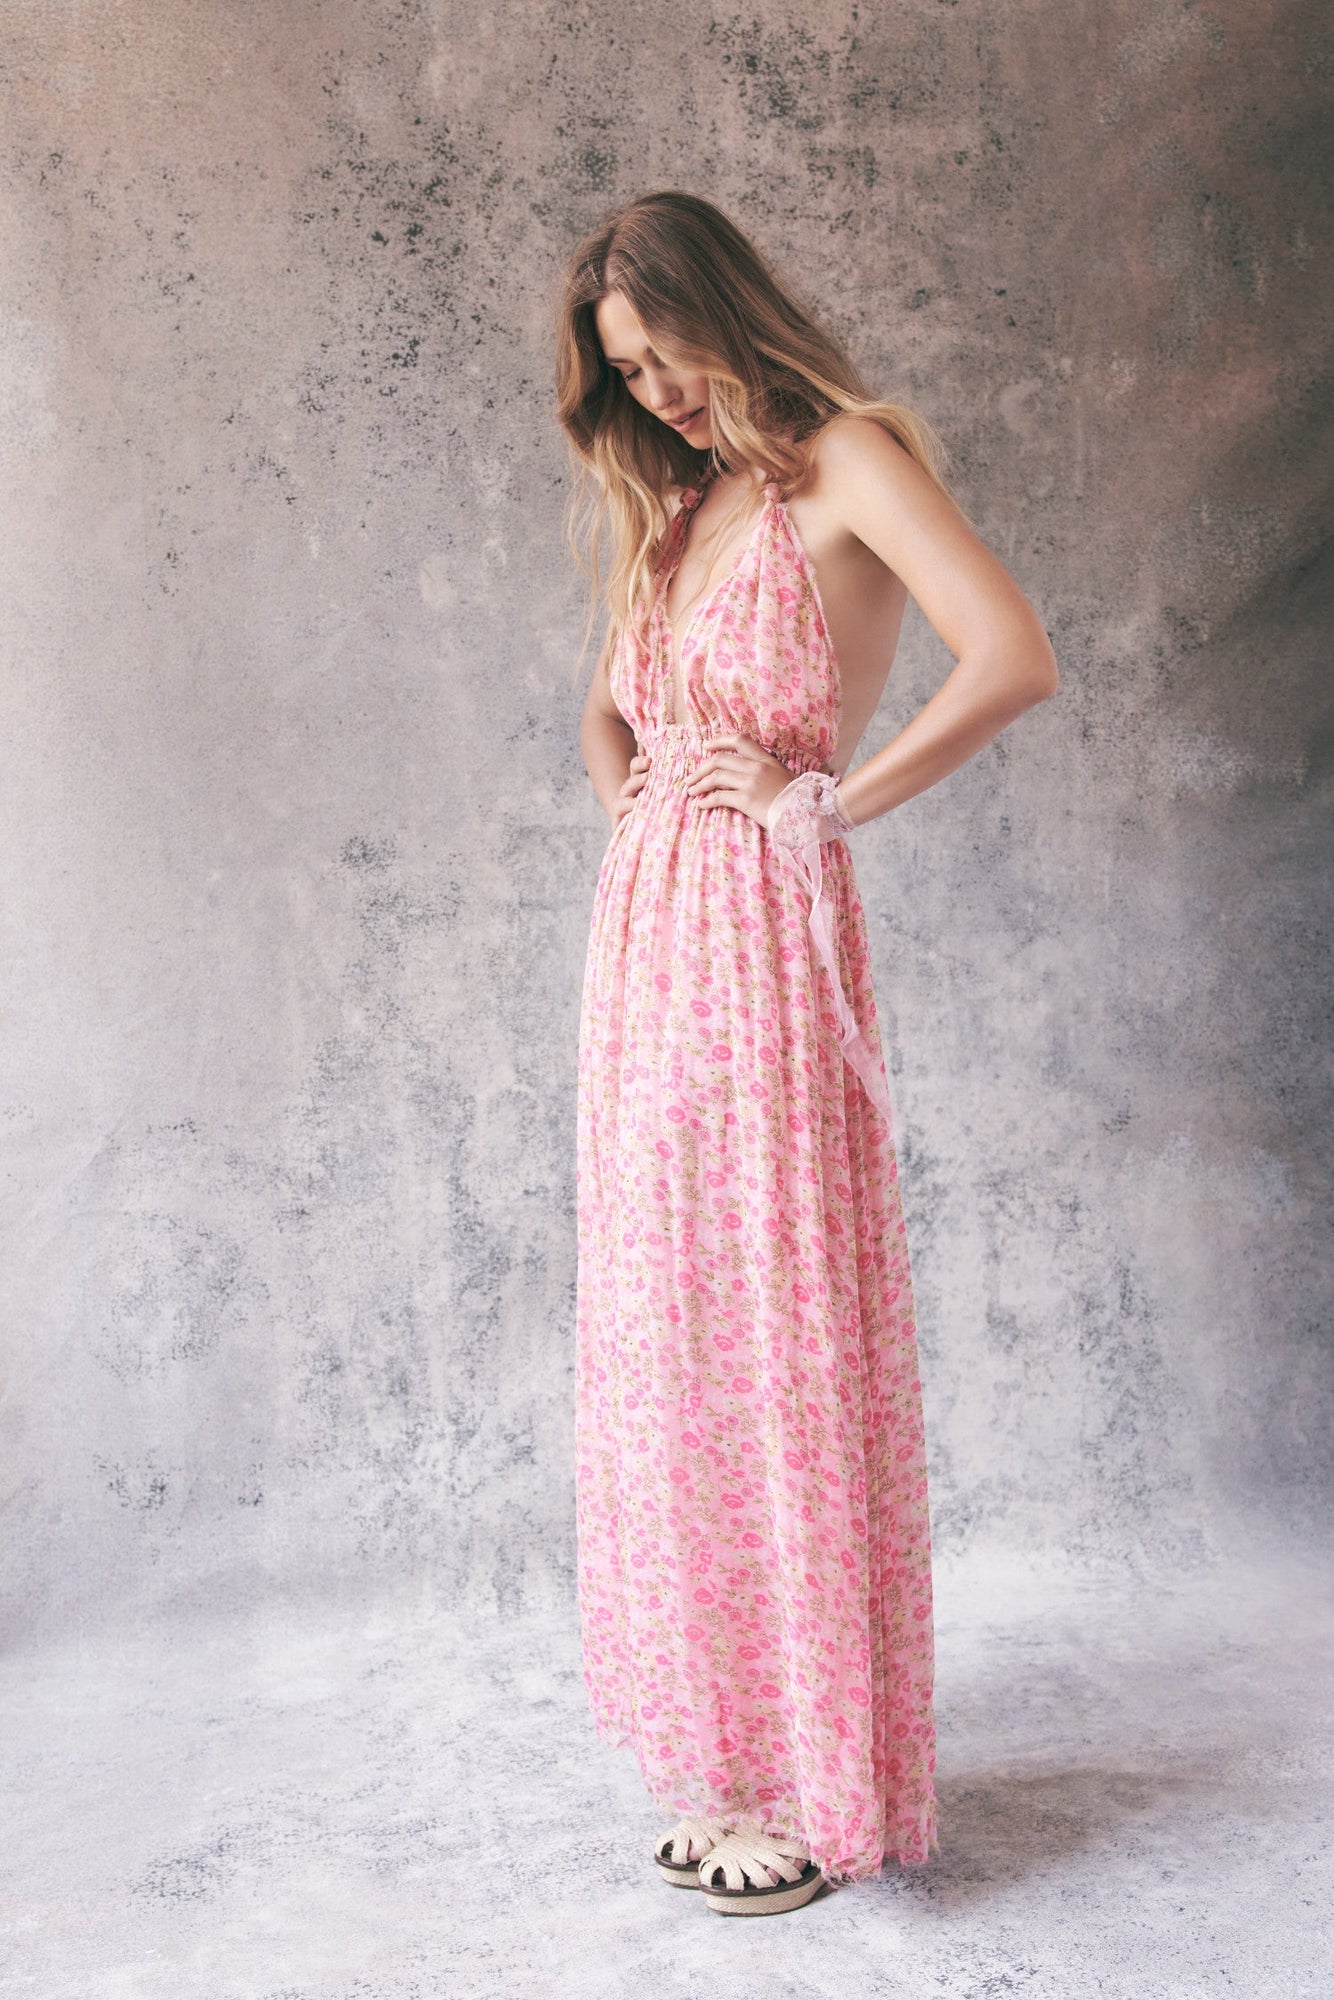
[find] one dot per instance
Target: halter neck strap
(692, 495)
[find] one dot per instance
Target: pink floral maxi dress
(753, 1532)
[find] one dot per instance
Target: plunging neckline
(674, 649)
(773, 502)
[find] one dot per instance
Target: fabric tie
(855, 1046)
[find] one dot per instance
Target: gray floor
(1134, 1784)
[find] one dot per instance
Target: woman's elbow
(1023, 679)
(1046, 678)
(1041, 677)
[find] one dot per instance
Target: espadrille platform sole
(752, 1875)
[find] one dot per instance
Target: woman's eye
(628, 374)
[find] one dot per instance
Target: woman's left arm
(1004, 662)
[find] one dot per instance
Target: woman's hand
(630, 790)
(738, 773)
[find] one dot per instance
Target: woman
(754, 1551)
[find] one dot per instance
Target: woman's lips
(684, 423)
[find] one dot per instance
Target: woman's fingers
(631, 786)
(721, 766)
(739, 749)
(739, 746)
(722, 789)
(737, 772)
(720, 771)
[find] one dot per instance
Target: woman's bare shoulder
(849, 442)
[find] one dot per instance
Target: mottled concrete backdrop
(298, 851)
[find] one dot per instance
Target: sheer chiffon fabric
(754, 1565)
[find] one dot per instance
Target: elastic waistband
(675, 749)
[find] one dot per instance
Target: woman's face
(675, 395)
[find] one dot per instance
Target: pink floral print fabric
(753, 1532)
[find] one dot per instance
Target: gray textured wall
(298, 851)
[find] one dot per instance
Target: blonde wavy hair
(708, 301)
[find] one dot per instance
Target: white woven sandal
(680, 1852)
(754, 1875)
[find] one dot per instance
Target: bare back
(864, 603)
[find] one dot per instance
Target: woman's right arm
(608, 744)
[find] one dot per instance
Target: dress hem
(908, 1854)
